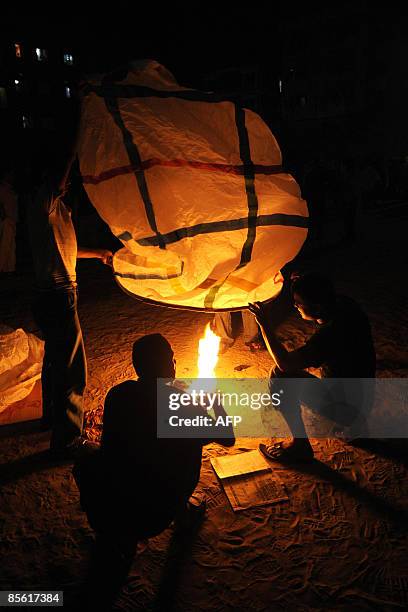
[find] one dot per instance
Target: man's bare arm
(284, 359)
(103, 254)
(229, 440)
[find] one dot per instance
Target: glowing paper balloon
(192, 185)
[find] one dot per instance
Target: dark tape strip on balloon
(245, 154)
(213, 227)
(112, 105)
(252, 199)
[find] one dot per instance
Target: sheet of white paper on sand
(248, 480)
(241, 463)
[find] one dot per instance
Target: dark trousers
(119, 502)
(122, 507)
(63, 375)
(344, 401)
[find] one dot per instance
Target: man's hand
(105, 256)
(260, 312)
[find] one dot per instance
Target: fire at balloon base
(208, 350)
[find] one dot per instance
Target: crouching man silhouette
(137, 484)
(342, 347)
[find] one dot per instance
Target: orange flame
(208, 347)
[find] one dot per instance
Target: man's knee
(289, 387)
(279, 379)
(275, 372)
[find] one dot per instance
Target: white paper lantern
(192, 185)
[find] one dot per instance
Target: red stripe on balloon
(177, 163)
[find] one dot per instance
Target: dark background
(330, 79)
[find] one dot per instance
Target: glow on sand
(208, 347)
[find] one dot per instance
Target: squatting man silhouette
(342, 347)
(137, 484)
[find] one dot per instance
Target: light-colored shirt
(53, 240)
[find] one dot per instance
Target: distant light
(16, 82)
(280, 85)
(26, 121)
(68, 59)
(41, 54)
(17, 49)
(67, 92)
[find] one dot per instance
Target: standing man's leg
(70, 376)
(44, 316)
(47, 387)
(222, 326)
(64, 369)
(250, 330)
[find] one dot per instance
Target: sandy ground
(338, 543)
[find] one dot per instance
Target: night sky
(189, 38)
(186, 36)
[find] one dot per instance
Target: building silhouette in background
(37, 84)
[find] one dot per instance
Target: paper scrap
(248, 480)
